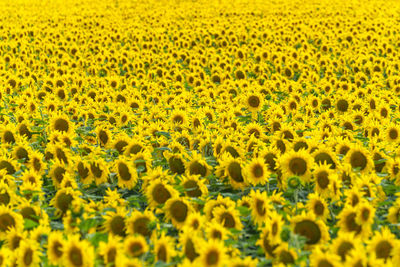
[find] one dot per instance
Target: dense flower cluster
(199, 133)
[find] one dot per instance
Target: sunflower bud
(294, 182)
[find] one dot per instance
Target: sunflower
(111, 250)
(178, 117)
(190, 245)
(7, 134)
(392, 133)
(367, 185)
(177, 210)
(138, 223)
(218, 145)
(135, 146)
(255, 130)
(323, 174)
(296, 164)
(344, 244)
(77, 252)
(324, 154)
(115, 222)
(8, 220)
(216, 231)
(233, 169)
(359, 159)
(257, 172)
(55, 246)
(7, 194)
(246, 262)
(28, 253)
(31, 211)
(286, 255)
(59, 153)
(36, 162)
(82, 168)
(63, 199)
(135, 245)
(347, 221)
(176, 162)
(14, 239)
(157, 173)
(365, 213)
(318, 206)
(280, 144)
(125, 261)
(23, 129)
(374, 130)
(195, 121)
(183, 138)
(214, 203)
(356, 257)
(159, 192)
(57, 173)
(228, 217)
(270, 156)
(21, 151)
(60, 122)
(260, 206)
(245, 201)
(342, 146)
(194, 186)
(274, 223)
(120, 142)
(195, 222)
(127, 175)
(353, 196)
(212, 253)
(313, 229)
(321, 258)
(382, 244)
(104, 136)
(253, 101)
(393, 168)
(71, 223)
(234, 149)
(267, 245)
(379, 159)
(164, 248)
(394, 212)
(197, 165)
(98, 170)
(300, 143)
(5, 255)
(8, 164)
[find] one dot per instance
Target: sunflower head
(78, 252)
(127, 175)
(138, 223)
(253, 102)
(213, 253)
(60, 122)
(257, 172)
(296, 164)
(311, 228)
(55, 245)
(135, 245)
(115, 222)
(177, 210)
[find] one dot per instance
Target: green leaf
(29, 224)
(244, 211)
(87, 224)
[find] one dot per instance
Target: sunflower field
(200, 133)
